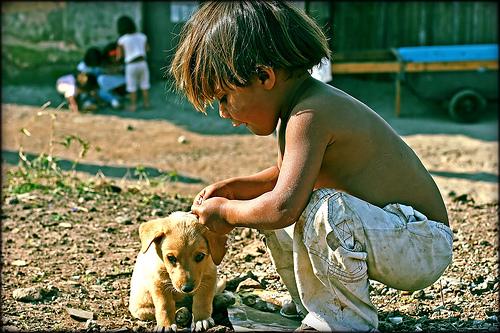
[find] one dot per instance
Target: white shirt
(66, 85)
(134, 45)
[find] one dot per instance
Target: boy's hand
(219, 189)
(209, 214)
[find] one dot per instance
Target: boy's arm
(119, 52)
(307, 138)
(73, 105)
(249, 187)
(241, 188)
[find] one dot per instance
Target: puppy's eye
(172, 259)
(199, 257)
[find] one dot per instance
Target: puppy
(178, 257)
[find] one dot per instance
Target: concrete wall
(43, 40)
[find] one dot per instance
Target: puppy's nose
(188, 287)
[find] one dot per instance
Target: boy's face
(250, 106)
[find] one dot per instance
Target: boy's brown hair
(224, 43)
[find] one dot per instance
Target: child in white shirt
(133, 46)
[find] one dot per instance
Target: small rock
(248, 283)
(182, 139)
(118, 330)
(19, 263)
(79, 209)
(10, 328)
(31, 294)
(80, 315)
(34, 294)
(65, 225)
(125, 220)
(396, 320)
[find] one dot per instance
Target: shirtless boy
(347, 201)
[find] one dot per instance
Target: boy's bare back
(361, 153)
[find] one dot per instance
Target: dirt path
(460, 164)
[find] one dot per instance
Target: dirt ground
(76, 244)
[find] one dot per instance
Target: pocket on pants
(330, 241)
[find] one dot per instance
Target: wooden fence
(363, 26)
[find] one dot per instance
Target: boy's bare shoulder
(333, 107)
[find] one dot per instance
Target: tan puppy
(178, 257)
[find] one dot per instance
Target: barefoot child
(133, 46)
(347, 201)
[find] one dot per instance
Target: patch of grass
(43, 173)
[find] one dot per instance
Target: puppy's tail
(221, 284)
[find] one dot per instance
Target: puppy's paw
(166, 329)
(202, 325)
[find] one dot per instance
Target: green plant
(140, 171)
(40, 171)
(165, 177)
(43, 164)
(84, 147)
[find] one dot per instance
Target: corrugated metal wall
(360, 26)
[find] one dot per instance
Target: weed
(44, 172)
(84, 147)
(140, 171)
(37, 173)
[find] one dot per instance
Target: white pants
(339, 242)
(137, 74)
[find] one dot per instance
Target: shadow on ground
(12, 157)
(418, 115)
(476, 176)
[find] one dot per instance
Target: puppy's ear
(149, 232)
(216, 245)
